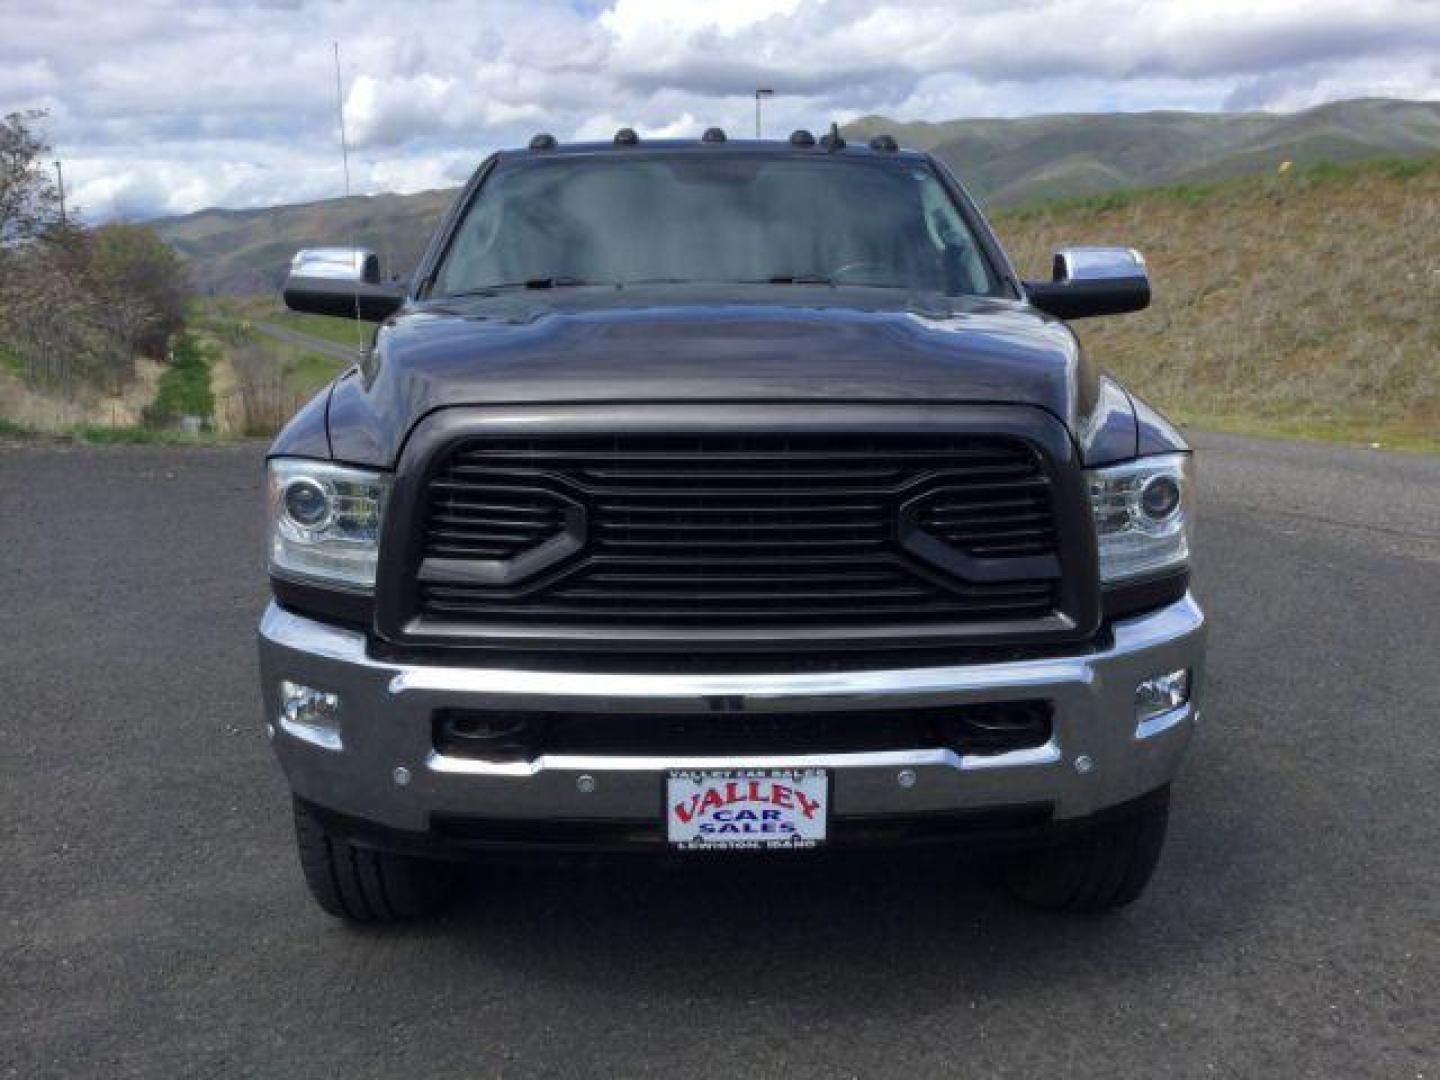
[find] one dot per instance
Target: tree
(29, 203)
(131, 266)
(76, 304)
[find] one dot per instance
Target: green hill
(248, 251)
(1003, 162)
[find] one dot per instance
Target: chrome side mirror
(338, 264)
(341, 281)
(1088, 281)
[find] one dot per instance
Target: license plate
(729, 809)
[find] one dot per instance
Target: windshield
(714, 218)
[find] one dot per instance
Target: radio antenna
(357, 266)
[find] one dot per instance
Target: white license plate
(726, 809)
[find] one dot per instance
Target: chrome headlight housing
(1143, 514)
(325, 522)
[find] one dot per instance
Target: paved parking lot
(153, 922)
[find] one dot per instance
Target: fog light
(310, 714)
(1162, 694)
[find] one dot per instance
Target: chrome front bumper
(383, 767)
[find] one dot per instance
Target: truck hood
(739, 344)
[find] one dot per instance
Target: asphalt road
(153, 922)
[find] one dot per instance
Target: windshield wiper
(558, 282)
(794, 279)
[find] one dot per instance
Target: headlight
(1142, 516)
(325, 521)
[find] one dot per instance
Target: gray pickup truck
(717, 496)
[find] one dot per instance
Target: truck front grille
(748, 532)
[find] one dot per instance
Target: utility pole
(761, 92)
(60, 183)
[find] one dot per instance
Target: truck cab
(726, 496)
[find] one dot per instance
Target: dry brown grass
(1305, 303)
(258, 382)
(60, 406)
(260, 398)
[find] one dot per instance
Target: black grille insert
(742, 531)
(474, 517)
(1008, 521)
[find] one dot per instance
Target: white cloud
(392, 111)
(162, 107)
(604, 125)
(412, 173)
(659, 20)
(29, 78)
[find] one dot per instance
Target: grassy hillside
(1303, 303)
(248, 251)
(1003, 162)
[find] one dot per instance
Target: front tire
(364, 886)
(1106, 867)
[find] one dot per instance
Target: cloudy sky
(161, 108)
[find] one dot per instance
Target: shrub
(185, 387)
